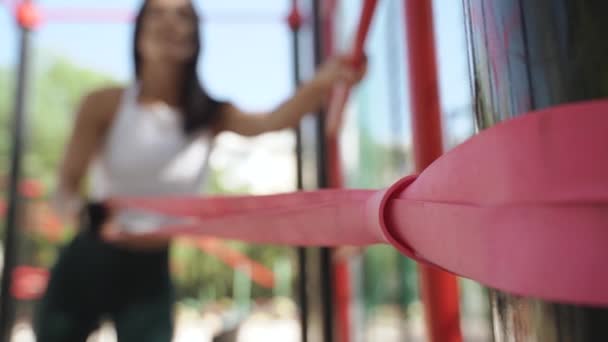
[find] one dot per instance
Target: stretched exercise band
(521, 207)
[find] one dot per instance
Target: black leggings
(93, 280)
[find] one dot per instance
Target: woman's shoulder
(102, 103)
(104, 96)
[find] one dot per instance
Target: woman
(149, 139)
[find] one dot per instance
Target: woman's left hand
(340, 69)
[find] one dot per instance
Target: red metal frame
(439, 289)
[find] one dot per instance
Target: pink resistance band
(521, 207)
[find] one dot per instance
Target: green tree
(55, 90)
(6, 84)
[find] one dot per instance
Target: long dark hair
(198, 108)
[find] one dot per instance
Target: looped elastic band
(379, 212)
(521, 207)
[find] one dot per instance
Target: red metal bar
(10, 4)
(342, 283)
(331, 137)
(343, 291)
(29, 283)
(259, 273)
(367, 13)
(341, 93)
(98, 15)
(439, 289)
(341, 270)
(340, 266)
(120, 15)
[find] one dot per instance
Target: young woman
(151, 138)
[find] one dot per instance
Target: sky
(245, 61)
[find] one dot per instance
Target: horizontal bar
(67, 15)
(10, 4)
(107, 15)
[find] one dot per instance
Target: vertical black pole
(301, 252)
(297, 77)
(7, 305)
(327, 287)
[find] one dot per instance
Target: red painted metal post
(342, 272)
(340, 266)
(357, 53)
(342, 281)
(439, 289)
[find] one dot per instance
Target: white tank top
(146, 153)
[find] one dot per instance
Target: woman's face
(168, 32)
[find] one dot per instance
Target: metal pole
(325, 257)
(439, 289)
(14, 210)
(528, 55)
(295, 23)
